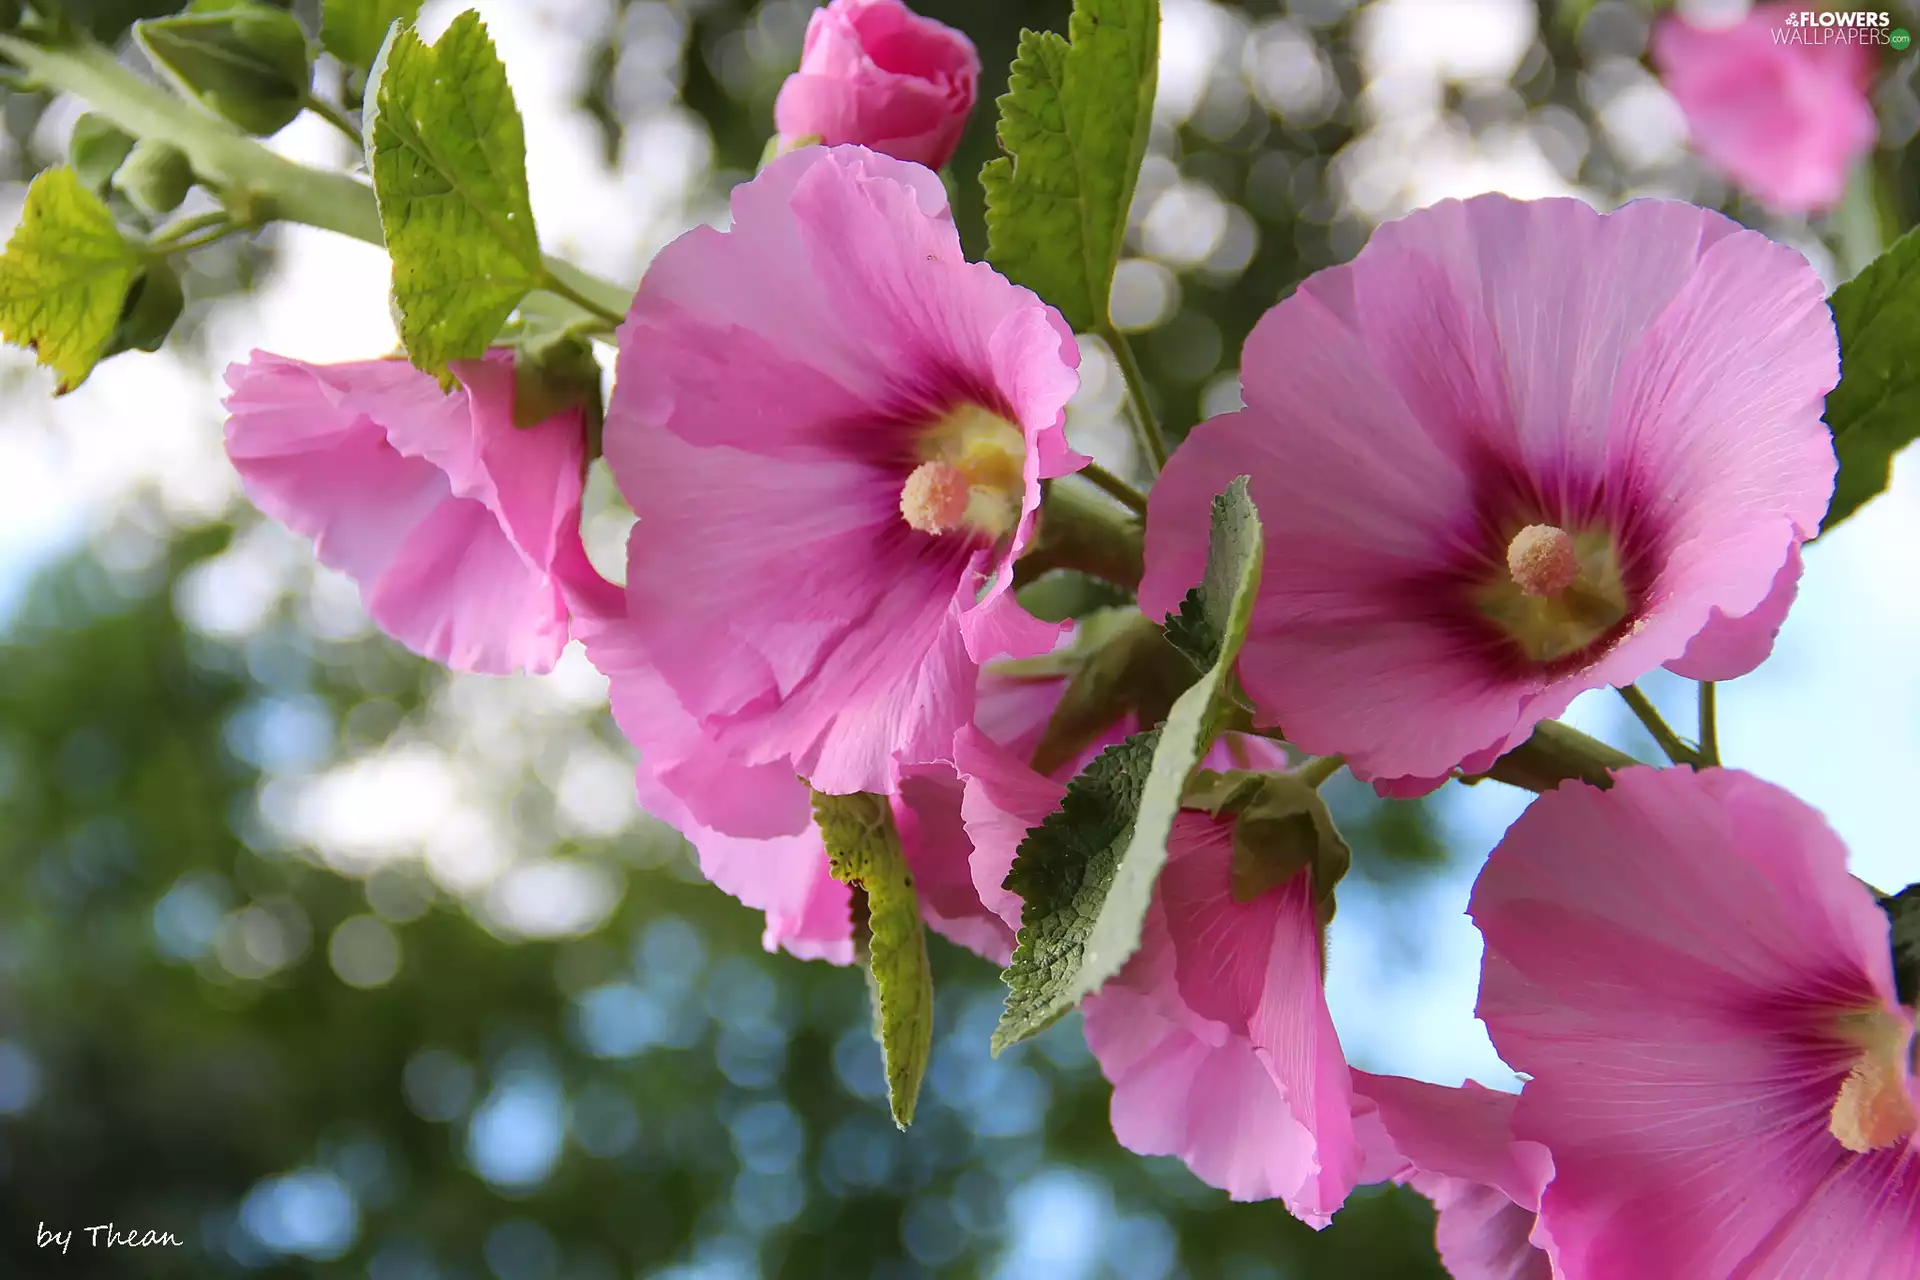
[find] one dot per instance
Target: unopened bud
(246, 61)
(155, 176)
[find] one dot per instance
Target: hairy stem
(335, 117)
(1102, 478)
(1153, 446)
(255, 183)
(1316, 771)
(1080, 531)
(1670, 742)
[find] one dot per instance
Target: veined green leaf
(64, 277)
(448, 156)
(1074, 124)
(1875, 411)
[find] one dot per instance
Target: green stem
(1082, 532)
(169, 239)
(256, 184)
(1709, 728)
(1104, 479)
(555, 285)
(188, 244)
(1153, 446)
(1316, 771)
(1677, 751)
(337, 118)
(1558, 753)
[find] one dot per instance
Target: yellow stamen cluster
(971, 475)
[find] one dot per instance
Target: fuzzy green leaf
(1875, 411)
(863, 850)
(1086, 874)
(64, 277)
(1074, 125)
(353, 30)
(449, 161)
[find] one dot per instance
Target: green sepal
(554, 376)
(96, 149)
(1281, 826)
(245, 61)
(153, 307)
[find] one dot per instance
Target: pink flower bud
(876, 74)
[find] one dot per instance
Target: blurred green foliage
(660, 1092)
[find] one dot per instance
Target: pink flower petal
(1656, 371)
(456, 525)
(772, 379)
(934, 837)
(1668, 961)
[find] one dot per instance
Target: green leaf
(1086, 874)
(246, 61)
(64, 277)
(1875, 411)
(449, 162)
(863, 849)
(354, 30)
(1074, 124)
(1281, 825)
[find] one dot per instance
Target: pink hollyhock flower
(459, 528)
(876, 74)
(1512, 452)
(1216, 1034)
(761, 845)
(833, 429)
(1784, 120)
(1704, 1000)
(1456, 1147)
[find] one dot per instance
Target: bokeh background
(333, 964)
